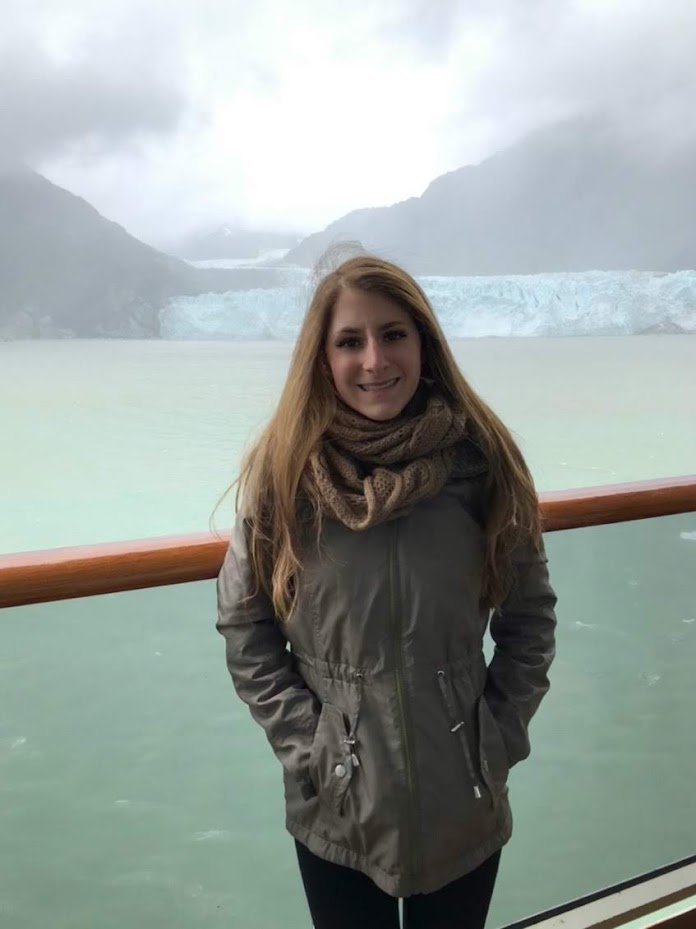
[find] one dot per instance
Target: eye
(349, 341)
(393, 335)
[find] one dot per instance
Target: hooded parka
(395, 736)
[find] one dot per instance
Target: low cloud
(169, 115)
(103, 92)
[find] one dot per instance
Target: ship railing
(90, 570)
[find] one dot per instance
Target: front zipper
(457, 726)
(400, 691)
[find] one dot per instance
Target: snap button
(340, 770)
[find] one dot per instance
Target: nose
(374, 358)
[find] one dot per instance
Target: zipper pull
(477, 791)
(354, 759)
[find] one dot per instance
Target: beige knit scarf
(368, 472)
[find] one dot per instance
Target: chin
(382, 414)
(380, 417)
(379, 409)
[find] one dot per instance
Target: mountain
(573, 197)
(67, 271)
(231, 242)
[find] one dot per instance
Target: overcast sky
(285, 114)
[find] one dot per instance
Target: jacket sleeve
(261, 666)
(523, 630)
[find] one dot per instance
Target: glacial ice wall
(560, 304)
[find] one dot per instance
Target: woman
(387, 515)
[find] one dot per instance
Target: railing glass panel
(608, 791)
(136, 789)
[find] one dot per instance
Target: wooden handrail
(616, 503)
(89, 570)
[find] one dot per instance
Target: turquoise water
(107, 440)
(134, 788)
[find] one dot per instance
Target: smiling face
(373, 350)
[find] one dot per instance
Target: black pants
(341, 898)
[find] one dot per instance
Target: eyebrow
(352, 330)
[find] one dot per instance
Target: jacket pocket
(458, 727)
(495, 766)
(330, 762)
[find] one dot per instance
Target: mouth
(382, 385)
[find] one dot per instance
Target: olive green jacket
(394, 735)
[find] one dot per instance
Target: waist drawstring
(350, 740)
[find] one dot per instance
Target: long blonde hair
(274, 471)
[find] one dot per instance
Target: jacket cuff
(515, 737)
(307, 788)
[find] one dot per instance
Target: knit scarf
(368, 472)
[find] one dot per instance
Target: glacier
(558, 304)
